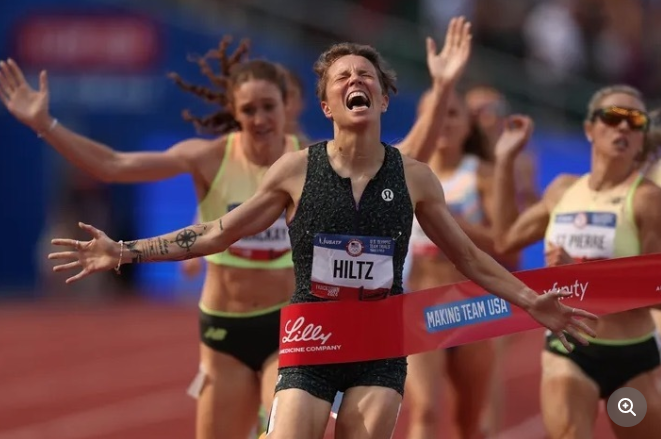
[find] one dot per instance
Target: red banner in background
(80, 42)
(348, 331)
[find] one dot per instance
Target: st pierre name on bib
(585, 235)
(352, 267)
(270, 244)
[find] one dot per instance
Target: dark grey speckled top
(327, 206)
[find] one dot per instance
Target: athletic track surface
(120, 371)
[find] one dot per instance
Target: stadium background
(107, 62)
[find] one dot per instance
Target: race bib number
(270, 244)
(585, 236)
(352, 267)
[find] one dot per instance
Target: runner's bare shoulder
(200, 151)
(421, 181)
(289, 171)
(557, 188)
(414, 168)
(294, 162)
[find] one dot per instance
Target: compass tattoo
(186, 238)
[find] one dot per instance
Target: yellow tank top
(236, 181)
(597, 227)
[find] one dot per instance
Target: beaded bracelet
(121, 252)
(52, 126)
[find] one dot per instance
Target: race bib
(270, 244)
(352, 267)
(585, 236)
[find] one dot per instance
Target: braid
(222, 121)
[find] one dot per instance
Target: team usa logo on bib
(352, 267)
(355, 248)
(268, 245)
(580, 220)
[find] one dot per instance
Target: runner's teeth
(357, 98)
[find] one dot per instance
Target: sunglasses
(613, 116)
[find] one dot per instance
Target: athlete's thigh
(424, 382)
(470, 368)
(569, 399)
(228, 402)
(650, 426)
(368, 412)
(296, 414)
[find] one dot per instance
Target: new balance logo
(217, 334)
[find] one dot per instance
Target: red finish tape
(352, 330)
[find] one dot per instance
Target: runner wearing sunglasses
(610, 212)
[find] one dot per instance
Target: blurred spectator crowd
(599, 40)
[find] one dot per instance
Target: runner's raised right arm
(30, 107)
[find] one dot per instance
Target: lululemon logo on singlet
(387, 195)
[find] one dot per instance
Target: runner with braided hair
(247, 284)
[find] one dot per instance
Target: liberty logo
(387, 195)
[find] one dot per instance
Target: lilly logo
(295, 332)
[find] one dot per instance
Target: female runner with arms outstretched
(352, 185)
(241, 287)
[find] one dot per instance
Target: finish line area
(106, 371)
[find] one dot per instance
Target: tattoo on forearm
(220, 223)
(187, 237)
(147, 250)
(136, 255)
